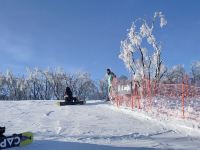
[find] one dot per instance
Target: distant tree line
(40, 84)
(178, 74)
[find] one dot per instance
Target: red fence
(176, 100)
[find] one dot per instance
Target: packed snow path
(94, 126)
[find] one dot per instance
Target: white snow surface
(95, 126)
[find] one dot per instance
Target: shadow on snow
(60, 145)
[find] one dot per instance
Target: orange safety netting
(176, 100)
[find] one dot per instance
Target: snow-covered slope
(96, 126)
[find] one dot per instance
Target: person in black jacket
(68, 95)
(110, 77)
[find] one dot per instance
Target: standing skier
(110, 76)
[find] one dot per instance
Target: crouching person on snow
(69, 96)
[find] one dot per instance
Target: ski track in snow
(48, 113)
(96, 125)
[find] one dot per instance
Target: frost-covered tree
(85, 86)
(195, 73)
(11, 85)
(22, 89)
(82, 85)
(47, 84)
(34, 83)
(175, 75)
(123, 78)
(3, 88)
(57, 82)
(103, 89)
(141, 52)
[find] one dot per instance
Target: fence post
(117, 101)
(137, 96)
(132, 96)
(132, 102)
(149, 93)
(155, 88)
(187, 86)
(139, 106)
(183, 111)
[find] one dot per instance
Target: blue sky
(85, 35)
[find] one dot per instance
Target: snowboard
(16, 140)
(71, 103)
